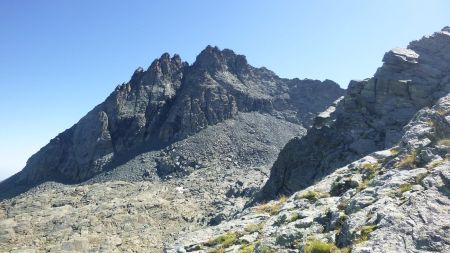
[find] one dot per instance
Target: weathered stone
(370, 117)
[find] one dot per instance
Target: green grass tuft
(316, 246)
(225, 240)
(294, 217)
(248, 248)
(404, 188)
(394, 151)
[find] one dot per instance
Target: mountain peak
(163, 62)
(213, 58)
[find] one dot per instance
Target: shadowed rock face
(168, 102)
(369, 118)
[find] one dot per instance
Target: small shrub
(408, 161)
(316, 246)
(444, 142)
(225, 240)
(251, 228)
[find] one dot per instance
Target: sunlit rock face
(370, 117)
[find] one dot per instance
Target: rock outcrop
(393, 200)
(370, 117)
(166, 103)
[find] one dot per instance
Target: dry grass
(294, 217)
(444, 142)
(419, 177)
(316, 246)
(404, 188)
(272, 208)
(365, 232)
(394, 151)
(312, 195)
(225, 240)
(251, 228)
(408, 161)
(248, 248)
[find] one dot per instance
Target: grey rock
(395, 199)
(166, 103)
(371, 117)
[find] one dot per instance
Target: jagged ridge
(166, 103)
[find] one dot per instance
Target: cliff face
(168, 102)
(370, 117)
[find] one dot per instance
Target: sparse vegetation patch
(316, 246)
(408, 161)
(313, 195)
(444, 142)
(225, 240)
(251, 228)
(365, 232)
(273, 208)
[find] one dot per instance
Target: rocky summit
(177, 148)
(372, 174)
(172, 101)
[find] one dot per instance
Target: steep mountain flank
(391, 200)
(176, 148)
(369, 118)
(166, 103)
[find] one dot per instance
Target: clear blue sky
(60, 58)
